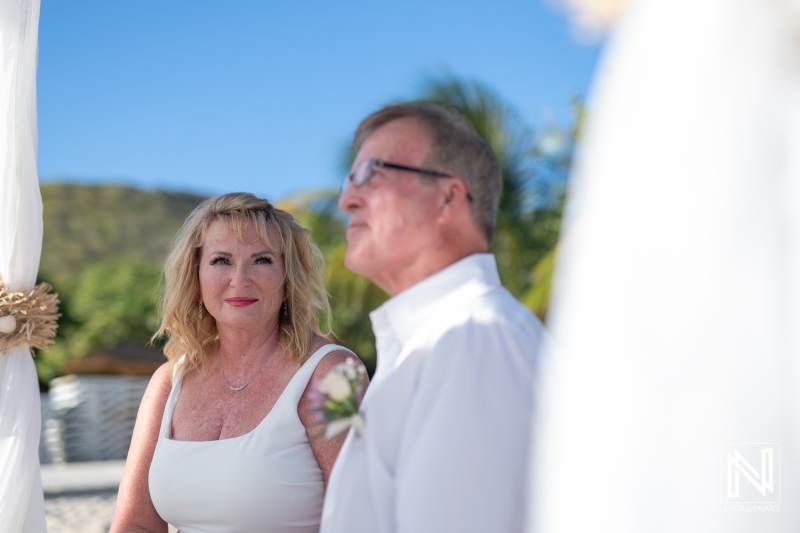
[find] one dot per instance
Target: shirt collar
(408, 311)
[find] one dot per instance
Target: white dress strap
(299, 382)
(172, 399)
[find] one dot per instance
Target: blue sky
(262, 96)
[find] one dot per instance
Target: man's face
(392, 216)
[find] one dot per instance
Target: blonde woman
(224, 436)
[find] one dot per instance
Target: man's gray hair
(455, 147)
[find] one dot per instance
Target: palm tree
(534, 169)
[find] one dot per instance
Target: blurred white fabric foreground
(21, 497)
(676, 314)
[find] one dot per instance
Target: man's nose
(349, 198)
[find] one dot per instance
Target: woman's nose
(241, 276)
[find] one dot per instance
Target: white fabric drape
(21, 498)
(676, 311)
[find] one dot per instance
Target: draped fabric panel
(21, 498)
(676, 310)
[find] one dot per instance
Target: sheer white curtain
(21, 499)
(676, 312)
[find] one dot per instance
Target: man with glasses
(447, 416)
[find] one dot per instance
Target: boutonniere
(335, 399)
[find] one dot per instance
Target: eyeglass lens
(359, 176)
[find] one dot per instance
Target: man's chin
(351, 260)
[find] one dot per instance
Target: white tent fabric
(676, 310)
(21, 498)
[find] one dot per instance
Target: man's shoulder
(495, 320)
(496, 307)
(491, 339)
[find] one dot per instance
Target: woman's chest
(206, 410)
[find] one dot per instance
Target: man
(447, 414)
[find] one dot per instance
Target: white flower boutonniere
(335, 399)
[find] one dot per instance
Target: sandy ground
(80, 512)
(80, 497)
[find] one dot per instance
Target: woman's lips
(240, 302)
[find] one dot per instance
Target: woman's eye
(220, 261)
(264, 261)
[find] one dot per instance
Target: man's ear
(453, 198)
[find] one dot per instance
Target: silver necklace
(237, 389)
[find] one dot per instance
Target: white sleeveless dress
(267, 480)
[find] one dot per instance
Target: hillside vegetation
(86, 224)
(103, 250)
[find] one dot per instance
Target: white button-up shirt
(447, 413)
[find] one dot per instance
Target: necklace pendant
(237, 389)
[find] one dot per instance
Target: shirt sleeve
(463, 461)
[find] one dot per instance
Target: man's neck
(424, 266)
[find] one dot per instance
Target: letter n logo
(749, 472)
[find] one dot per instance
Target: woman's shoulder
(155, 397)
(161, 381)
(162, 376)
(339, 355)
(335, 355)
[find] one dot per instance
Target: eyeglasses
(363, 172)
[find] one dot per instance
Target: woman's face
(241, 282)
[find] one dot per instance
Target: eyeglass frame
(369, 164)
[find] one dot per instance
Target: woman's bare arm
(135, 512)
(325, 450)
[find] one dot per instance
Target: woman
(225, 436)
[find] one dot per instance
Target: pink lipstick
(240, 302)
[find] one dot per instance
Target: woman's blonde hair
(304, 289)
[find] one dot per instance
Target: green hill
(85, 224)
(103, 250)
